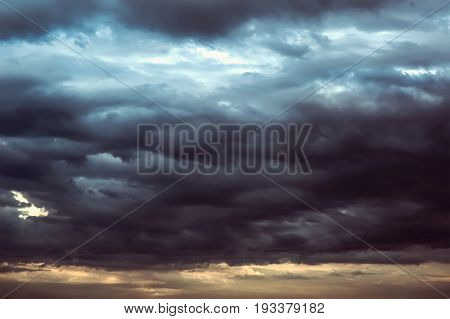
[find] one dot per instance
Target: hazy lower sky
(378, 149)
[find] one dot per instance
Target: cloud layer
(378, 149)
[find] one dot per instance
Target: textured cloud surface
(378, 149)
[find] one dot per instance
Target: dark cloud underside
(179, 17)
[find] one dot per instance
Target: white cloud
(31, 210)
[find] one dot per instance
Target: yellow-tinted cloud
(285, 280)
(30, 210)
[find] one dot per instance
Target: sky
(77, 77)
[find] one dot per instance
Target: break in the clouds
(378, 150)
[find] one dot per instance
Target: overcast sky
(379, 148)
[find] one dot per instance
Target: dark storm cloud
(179, 18)
(381, 173)
(206, 18)
(49, 14)
(379, 150)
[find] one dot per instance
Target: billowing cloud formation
(378, 148)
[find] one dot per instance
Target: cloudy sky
(76, 77)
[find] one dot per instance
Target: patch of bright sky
(105, 159)
(30, 210)
(334, 89)
(194, 52)
(417, 71)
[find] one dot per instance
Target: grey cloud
(49, 14)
